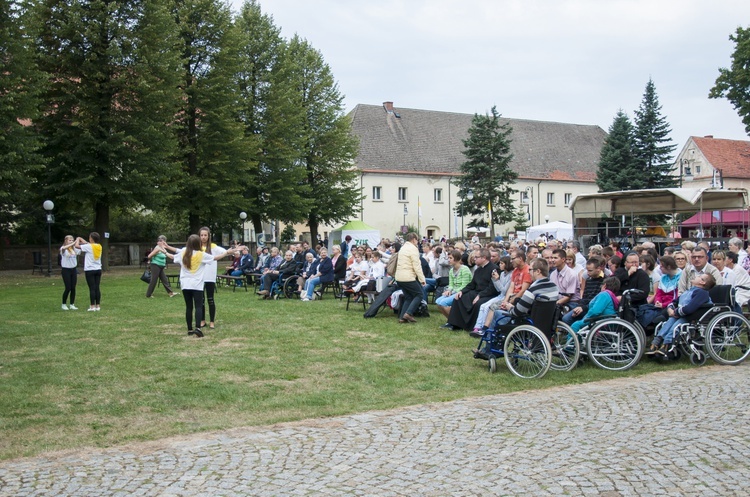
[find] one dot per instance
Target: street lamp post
(243, 216)
(403, 227)
(48, 206)
(530, 197)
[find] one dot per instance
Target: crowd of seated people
(480, 286)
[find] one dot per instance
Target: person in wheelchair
(286, 269)
(688, 303)
(604, 304)
(541, 288)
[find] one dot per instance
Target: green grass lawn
(130, 372)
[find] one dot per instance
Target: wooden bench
(233, 281)
(174, 280)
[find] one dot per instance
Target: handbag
(146, 276)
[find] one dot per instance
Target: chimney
(708, 136)
(388, 106)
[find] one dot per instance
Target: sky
(571, 61)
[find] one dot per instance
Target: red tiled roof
(731, 156)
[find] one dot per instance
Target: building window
(568, 198)
(550, 199)
(438, 195)
(402, 194)
(377, 193)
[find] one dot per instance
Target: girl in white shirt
(194, 264)
(69, 264)
(210, 275)
(92, 267)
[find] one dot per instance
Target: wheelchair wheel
(527, 352)
(566, 348)
(492, 364)
(728, 338)
(698, 358)
(290, 287)
(614, 344)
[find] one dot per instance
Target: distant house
(408, 157)
(710, 161)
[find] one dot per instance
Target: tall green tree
(272, 115)
(618, 168)
(652, 145)
(734, 83)
(20, 87)
(213, 149)
(487, 172)
(329, 146)
(107, 115)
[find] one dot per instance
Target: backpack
(392, 264)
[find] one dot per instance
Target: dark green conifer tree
(20, 87)
(617, 166)
(329, 147)
(108, 109)
(652, 147)
(487, 172)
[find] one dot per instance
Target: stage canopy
(657, 201)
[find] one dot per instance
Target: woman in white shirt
(210, 275)
(69, 264)
(194, 266)
(92, 267)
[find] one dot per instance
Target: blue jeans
(237, 272)
(500, 318)
(310, 285)
(445, 301)
(568, 317)
(430, 286)
(667, 328)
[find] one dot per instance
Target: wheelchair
(611, 342)
(524, 344)
(286, 287)
(715, 330)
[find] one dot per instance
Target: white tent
(559, 229)
(360, 232)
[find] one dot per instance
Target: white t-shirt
(69, 259)
(211, 268)
(377, 270)
(193, 278)
(90, 263)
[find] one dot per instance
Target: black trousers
(93, 280)
(193, 300)
(70, 279)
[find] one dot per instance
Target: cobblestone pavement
(671, 433)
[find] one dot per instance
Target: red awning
(727, 218)
(737, 217)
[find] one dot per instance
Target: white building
(408, 157)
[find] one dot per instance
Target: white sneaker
(64, 307)
(97, 309)
(72, 307)
(90, 309)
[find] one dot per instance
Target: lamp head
(48, 205)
